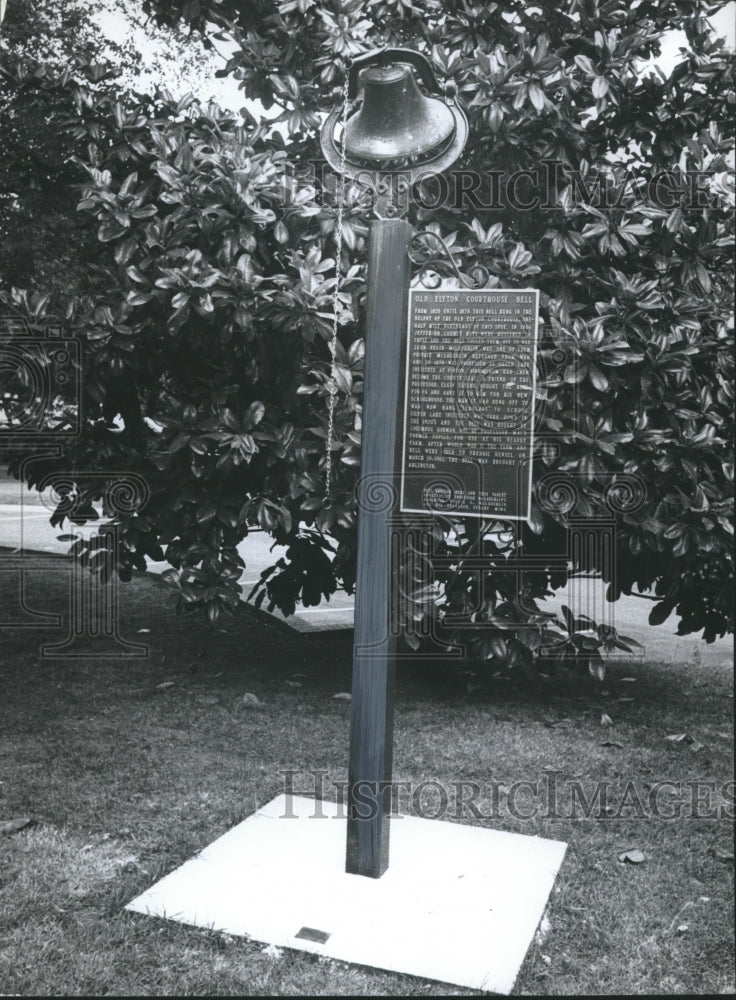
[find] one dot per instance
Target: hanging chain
(332, 387)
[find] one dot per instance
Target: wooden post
(371, 722)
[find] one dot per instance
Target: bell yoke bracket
(415, 167)
(385, 57)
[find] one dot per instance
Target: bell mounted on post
(398, 127)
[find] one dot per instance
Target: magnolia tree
(206, 361)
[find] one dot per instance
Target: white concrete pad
(459, 904)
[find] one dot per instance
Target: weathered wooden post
(399, 132)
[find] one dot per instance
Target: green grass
(125, 780)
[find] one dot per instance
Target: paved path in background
(24, 527)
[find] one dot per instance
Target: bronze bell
(396, 121)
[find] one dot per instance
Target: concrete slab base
(458, 904)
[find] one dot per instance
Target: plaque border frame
(403, 473)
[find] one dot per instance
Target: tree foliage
(48, 48)
(206, 342)
(39, 230)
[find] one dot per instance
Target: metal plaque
(469, 402)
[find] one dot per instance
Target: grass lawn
(125, 779)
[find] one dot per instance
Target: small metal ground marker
(312, 934)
